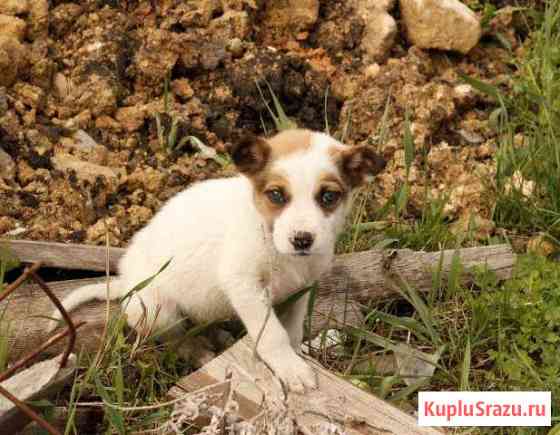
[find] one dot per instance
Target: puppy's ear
(357, 162)
(250, 153)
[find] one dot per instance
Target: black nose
(302, 240)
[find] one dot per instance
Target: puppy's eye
(329, 198)
(276, 196)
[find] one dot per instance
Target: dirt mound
(84, 108)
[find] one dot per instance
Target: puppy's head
(303, 182)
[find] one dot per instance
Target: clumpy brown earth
(78, 118)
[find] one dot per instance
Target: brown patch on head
(289, 141)
(254, 156)
(267, 187)
(250, 154)
(356, 162)
(330, 193)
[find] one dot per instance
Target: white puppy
(232, 241)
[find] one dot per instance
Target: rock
(63, 17)
(372, 71)
(517, 183)
(97, 93)
(39, 19)
(7, 166)
(105, 122)
(380, 28)
(32, 96)
(42, 73)
(147, 178)
(96, 233)
(6, 224)
(3, 102)
(235, 47)
(61, 86)
(14, 7)
(156, 58)
(131, 118)
(441, 24)
(12, 60)
(474, 225)
(182, 88)
(84, 170)
(541, 246)
(139, 215)
(84, 141)
(214, 54)
(230, 25)
(371, 5)
(297, 15)
(12, 26)
(464, 94)
(379, 35)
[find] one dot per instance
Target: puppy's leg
(274, 347)
(293, 319)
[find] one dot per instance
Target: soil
(79, 124)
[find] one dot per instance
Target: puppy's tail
(85, 294)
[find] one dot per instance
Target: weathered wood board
(361, 274)
(358, 277)
(39, 381)
(335, 400)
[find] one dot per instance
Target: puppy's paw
(295, 373)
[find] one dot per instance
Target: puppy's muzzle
(302, 241)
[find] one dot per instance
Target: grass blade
(466, 367)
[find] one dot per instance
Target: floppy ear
(250, 154)
(357, 162)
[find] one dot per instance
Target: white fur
(302, 214)
(220, 250)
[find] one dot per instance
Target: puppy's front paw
(295, 373)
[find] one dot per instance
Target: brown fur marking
(331, 182)
(356, 162)
(288, 142)
(264, 182)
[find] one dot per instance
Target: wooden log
(335, 401)
(355, 277)
(64, 255)
(39, 381)
(362, 274)
(24, 324)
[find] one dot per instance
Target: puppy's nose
(302, 240)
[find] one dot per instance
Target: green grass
(490, 336)
(527, 118)
(496, 336)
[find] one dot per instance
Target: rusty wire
(31, 272)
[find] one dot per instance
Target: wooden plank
(335, 400)
(360, 274)
(64, 255)
(26, 329)
(39, 381)
(364, 274)
(355, 277)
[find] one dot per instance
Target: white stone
(440, 24)
(379, 35)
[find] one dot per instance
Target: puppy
(234, 242)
